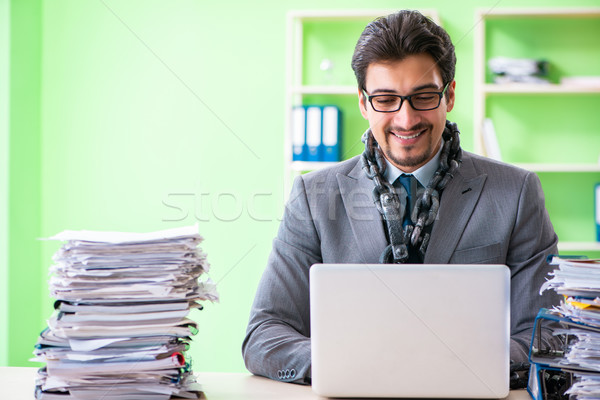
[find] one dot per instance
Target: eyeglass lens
(419, 101)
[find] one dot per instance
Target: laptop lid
(410, 330)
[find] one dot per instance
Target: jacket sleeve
(532, 240)
(277, 342)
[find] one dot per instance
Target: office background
(142, 115)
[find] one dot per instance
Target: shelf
(577, 12)
(300, 166)
(490, 88)
(552, 34)
(349, 14)
(325, 90)
(343, 14)
(525, 88)
(484, 91)
(559, 167)
(579, 246)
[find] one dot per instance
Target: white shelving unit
(537, 167)
(523, 88)
(484, 90)
(295, 88)
(579, 246)
(324, 90)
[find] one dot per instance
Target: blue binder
(545, 360)
(299, 149)
(314, 124)
(597, 200)
(331, 134)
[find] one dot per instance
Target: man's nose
(407, 116)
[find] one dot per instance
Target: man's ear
(362, 103)
(450, 93)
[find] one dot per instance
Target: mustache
(418, 127)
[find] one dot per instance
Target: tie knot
(407, 181)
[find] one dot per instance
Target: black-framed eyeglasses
(422, 101)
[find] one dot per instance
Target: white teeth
(408, 137)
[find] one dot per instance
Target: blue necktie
(410, 184)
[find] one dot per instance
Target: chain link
(392, 207)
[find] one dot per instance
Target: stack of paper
(120, 330)
(579, 282)
(518, 70)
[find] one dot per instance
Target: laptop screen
(381, 330)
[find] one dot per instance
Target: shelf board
(325, 89)
(579, 246)
(535, 167)
(490, 88)
(349, 14)
(300, 166)
(530, 88)
(343, 14)
(565, 12)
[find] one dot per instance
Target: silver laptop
(410, 330)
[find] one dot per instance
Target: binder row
(316, 133)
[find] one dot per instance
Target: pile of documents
(120, 329)
(518, 70)
(576, 321)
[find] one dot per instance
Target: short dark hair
(396, 36)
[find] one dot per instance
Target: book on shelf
(490, 140)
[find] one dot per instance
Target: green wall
(24, 196)
(4, 129)
(144, 114)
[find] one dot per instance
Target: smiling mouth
(410, 136)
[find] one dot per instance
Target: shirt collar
(423, 174)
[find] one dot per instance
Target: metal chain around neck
(392, 207)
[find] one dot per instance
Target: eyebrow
(414, 89)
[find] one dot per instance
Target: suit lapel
(457, 204)
(367, 226)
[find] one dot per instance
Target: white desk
(17, 383)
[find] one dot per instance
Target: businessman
(413, 196)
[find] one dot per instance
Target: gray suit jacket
(490, 213)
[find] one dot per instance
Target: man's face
(408, 138)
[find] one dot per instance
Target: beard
(412, 160)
